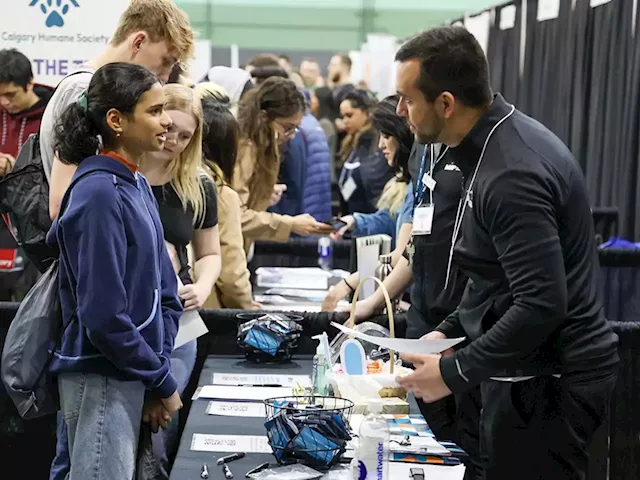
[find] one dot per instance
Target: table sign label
(230, 443)
(239, 394)
(236, 409)
(276, 380)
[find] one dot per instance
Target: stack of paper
(284, 277)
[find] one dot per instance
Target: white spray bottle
(321, 365)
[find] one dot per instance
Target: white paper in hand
(402, 345)
(191, 326)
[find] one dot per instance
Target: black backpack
(34, 334)
(24, 198)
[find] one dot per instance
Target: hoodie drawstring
(5, 127)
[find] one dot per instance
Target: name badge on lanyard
(423, 213)
(423, 219)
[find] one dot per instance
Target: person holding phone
(395, 142)
(269, 116)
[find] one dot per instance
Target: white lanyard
(462, 205)
(433, 163)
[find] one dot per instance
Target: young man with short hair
(539, 344)
(22, 103)
(152, 33)
(155, 34)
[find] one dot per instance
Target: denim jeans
(166, 441)
(156, 463)
(103, 417)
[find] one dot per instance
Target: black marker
(259, 468)
(204, 473)
(227, 472)
(230, 458)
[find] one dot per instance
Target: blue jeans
(103, 417)
(166, 441)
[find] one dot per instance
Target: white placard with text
(230, 392)
(260, 380)
(230, 443)
(236, 409)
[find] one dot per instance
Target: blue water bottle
(324, 253)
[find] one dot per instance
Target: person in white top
(155, 34)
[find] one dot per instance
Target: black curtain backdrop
(581, 78)
(609, 168)
(541, 94)
(503, 53)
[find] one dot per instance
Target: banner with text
(59, 35)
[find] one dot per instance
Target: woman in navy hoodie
(117, 285)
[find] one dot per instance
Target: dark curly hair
(386, 121)
(275, 98)
(81, 127)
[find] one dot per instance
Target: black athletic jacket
(527, 244)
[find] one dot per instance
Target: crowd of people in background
(264, 152)
(302, 148)
(160, 184)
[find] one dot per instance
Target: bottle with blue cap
(324, 253)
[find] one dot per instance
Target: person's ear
(29, 87)
(447, 104)
(115, 121)
(137, 40)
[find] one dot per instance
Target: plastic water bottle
(320, 367)
(371, 461)
(324, 253)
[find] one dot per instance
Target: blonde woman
(269, 117)
(188, 210)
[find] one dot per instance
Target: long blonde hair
(393, 195)
(186, 169)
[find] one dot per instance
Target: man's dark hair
(346, 61)
(264, 60)
(451, 60)
(16, 68)
(284, 57)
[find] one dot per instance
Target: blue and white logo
(55, 10)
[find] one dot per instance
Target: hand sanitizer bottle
(320, 367)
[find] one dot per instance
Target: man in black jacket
(540, 346)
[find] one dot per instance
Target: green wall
(317, 24)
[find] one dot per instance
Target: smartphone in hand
(335, 223)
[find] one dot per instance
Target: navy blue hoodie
(114, 262)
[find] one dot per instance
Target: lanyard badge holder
(467, 198)
(423, 213)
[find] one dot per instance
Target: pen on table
(230, 458)
(227, 471)
(204, 472)
(259, 468)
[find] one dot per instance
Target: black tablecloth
(300, 252)
(189, 463)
